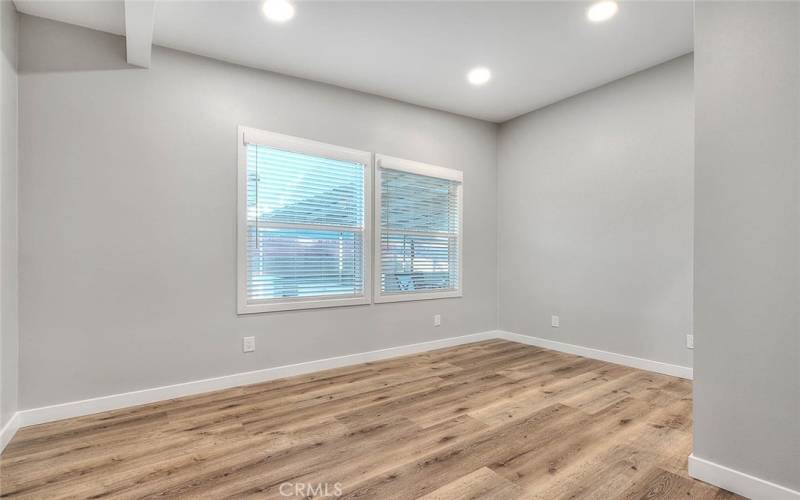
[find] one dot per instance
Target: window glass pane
(302, 263)
(419, 233)
(413, 263)
(291, 198)
(418, 203)
(287, 187)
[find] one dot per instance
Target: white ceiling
(419, 52)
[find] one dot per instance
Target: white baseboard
(738, 482)
(8, 431)
(611, 357)
(123, 400)
(116, 401)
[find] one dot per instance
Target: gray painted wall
(747, 267)
(128, 216)
(9, 333)
(595, 217)
(128, 237)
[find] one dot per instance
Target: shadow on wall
(81, 52)
(8, 33)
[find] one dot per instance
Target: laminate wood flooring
(489, 420)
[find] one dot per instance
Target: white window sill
(408, 296)
(296, 304)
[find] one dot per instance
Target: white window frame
(415, 167)
(304, 146)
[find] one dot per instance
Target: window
(303, 223)
(418, 236)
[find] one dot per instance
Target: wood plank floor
(492, 419)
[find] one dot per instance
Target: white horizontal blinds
(305, 224)
(419, 233)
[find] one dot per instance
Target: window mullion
(312, 227)
(433, 234)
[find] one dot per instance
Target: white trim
(407, 296)
(419, 168)
(249, 135)
(123, 400)
(295, 303)
(8, 431)
(737, 481)
(612, 357)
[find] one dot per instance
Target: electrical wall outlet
(554, 321)
(690, 341)
(248, 344)
(437, 320)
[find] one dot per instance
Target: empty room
(400, 249)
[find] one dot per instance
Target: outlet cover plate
(248, 344)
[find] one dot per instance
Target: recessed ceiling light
(479, 76)
(602, 11)
(279, 11)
